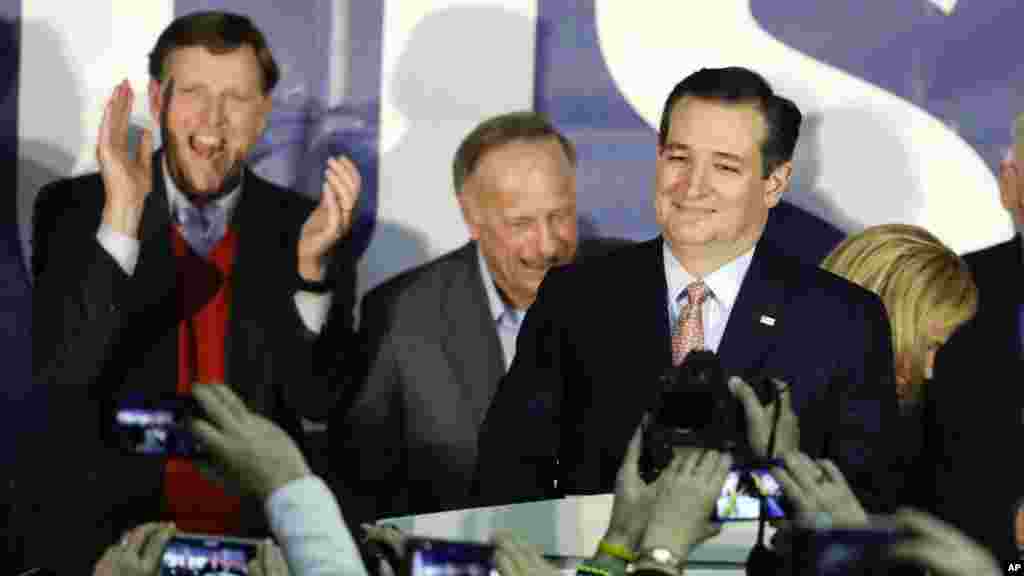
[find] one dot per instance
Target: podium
(572, 527)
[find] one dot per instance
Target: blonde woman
(926, 288)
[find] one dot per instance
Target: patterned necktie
(689, 330)
(202, 227)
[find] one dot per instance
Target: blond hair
(922, 283)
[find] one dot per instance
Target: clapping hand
(332, 218)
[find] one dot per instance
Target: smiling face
(710, 199)
(216, 113)
(520, 206)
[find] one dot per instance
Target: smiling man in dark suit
(172, 268)
(439, 337)
(601, 333)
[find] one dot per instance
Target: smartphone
(739, 498)
(195, 554)
(156, 425)
(430, 557)
(845, 552)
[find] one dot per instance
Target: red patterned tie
(689, 332)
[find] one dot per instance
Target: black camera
(696, 408)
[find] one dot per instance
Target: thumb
(745, 394)
(631, 462)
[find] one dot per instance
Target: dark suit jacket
(598, 338)
(98, 332)
(408, 445)
(974, 409)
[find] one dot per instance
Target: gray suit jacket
(407, 444)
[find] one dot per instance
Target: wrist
(680, 547)
(311, 270)
(620, 539)
(123, 219)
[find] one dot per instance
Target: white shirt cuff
(313, 309)
(121, 247)
(306, 520)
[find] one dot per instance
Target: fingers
(804, 504)
(214, 408)
(274, 560)
(747, 397)
(348, 181)
(804, 471)
(155, 545)
(925, 525)
(832, 472)
(231, 399)
(631, 462)
(105, 139)
(329, 201)
(122, 109)
(221, 405)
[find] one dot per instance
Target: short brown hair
(919, 280)
(498, 131)
(218, 32)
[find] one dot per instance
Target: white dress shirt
(507, 319)
(723, 288)
(306, 521)
(312, 308)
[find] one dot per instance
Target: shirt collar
(176, 198)
(495, 302)
(724, 283)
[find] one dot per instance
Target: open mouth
(206, 147)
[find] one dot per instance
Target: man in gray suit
(439, 337)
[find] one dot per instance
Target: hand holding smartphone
(200, 554)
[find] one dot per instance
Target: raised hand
(941, 548)
(686, 494)
(127, 177)
(331, 220)
(633, 497)
(819, 489)
(246, 449)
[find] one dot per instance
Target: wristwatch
(662, 557)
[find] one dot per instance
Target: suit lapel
(756, 316)
(470, 341)
(237, 352)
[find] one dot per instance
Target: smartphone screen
(428, 557)
(739, 498)
(156, 426)
(198, 554)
